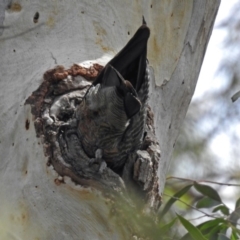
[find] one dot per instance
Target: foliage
(219, 223)
(223, 223)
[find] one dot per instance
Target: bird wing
(130, 62)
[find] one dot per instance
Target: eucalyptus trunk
(36, 202)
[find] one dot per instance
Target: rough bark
(37, 203)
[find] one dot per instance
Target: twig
(206, 214)
(192, 219)
(207, 181)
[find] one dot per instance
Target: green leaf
(193, 231)
(237, 205)
(234, 235)
(211, 223)
(172, 200)
(206, 202)
(187, 236)
(207, 191)
(236, 231)
(234, 216)
(167, 227)
(222, 208)
(223, 237)
(207, 226)
(215, 231)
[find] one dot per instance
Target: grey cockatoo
(112, 114)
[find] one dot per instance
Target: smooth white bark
(33, 203)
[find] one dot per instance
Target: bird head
(124, 90)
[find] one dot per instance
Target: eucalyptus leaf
(208, 191)
(235, 215)
(211, 223)
(222, 208)
(192, 230)
(206, 202)
(172, 200)
(222, 237)
(237, 205)
(167, 227)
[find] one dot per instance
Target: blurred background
(208, 146)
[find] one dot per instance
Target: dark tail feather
(130, 62)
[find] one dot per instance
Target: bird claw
(98, 159)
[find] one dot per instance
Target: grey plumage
(112, 114)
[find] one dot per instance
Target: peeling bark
(54, 108)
